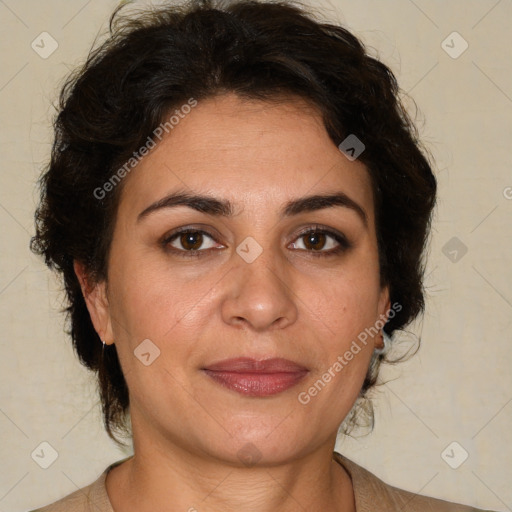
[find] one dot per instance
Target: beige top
(371, 495)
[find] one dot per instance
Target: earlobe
(97, 303)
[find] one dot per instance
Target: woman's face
(247, 281)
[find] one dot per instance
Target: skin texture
(188, 430)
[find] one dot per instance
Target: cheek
(165, 307)
(343, 313)
(151, 306)
(347, 302)
(151, 297)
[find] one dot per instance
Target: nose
(260, 294)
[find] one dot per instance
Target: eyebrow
(225, 208)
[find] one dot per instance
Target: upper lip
(248, 365)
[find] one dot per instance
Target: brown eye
(321, 242)
(314, 240)
(191, 241)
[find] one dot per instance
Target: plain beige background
(458, 388)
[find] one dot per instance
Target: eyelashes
(323, 234)
(194, 237)
(192, 241)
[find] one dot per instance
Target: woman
(239, 206)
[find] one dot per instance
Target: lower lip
(257, 384)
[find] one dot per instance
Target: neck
(175, 480)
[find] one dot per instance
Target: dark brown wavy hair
(152, 62)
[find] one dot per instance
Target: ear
(384, 306)
(384, 302)
(97, 303)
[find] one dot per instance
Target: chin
(256, 441)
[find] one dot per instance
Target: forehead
(255, 154)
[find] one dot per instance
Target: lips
(248, 365)
(251, 377)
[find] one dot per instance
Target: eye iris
(317, 240)
(191, 241)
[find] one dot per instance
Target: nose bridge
(260, 292)
(266, 269)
